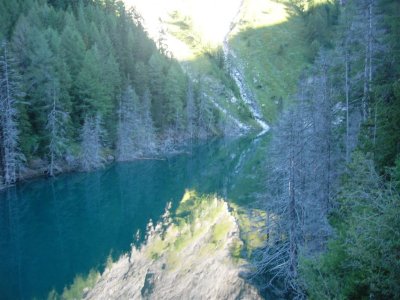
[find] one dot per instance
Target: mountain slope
(250, 52)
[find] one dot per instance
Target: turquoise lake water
(51, 230)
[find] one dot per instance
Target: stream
(52, 230)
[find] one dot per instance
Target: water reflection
(53, 229)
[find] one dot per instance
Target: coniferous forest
(335, 160)
(82, 83)
(315, 201)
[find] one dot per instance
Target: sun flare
(211, 21)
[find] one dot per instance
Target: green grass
(220, 232)
(77, 289)
(207, 61)
(192, 219)
(272, 50)
(274, 54)
(252, 225)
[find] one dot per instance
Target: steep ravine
(156, 21)
(234, 67)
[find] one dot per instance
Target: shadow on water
(53, 229)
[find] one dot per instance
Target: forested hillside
(333, 195)
(81, 82)
(84, 83)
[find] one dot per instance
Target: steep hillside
(180, 27)
(251, 53)
(81, 83)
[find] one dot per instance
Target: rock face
(187, 261)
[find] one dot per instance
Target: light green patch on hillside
(78, 288)
(271, 49)
(272, 45)
(199, 222)
(207, 61)
(252, 229)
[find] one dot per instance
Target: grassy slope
(271, 44)
(206, 61)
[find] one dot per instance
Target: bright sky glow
(211, 19)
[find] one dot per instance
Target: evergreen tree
(81, 53)
(93, 96)
(191, 112)
(91, 148)
(127, 125)
(205, 117)
(148, 137)
(157, 88)
(174, 90)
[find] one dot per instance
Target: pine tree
(174, 90)
(205, 118)
(191, 112)
(94, 97)
(128, 125)
(148, 139)
(157, 88)
(91, 156)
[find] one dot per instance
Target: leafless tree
(56, 125)
(10, 93)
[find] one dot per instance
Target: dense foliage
(70, 70)
(334, 190)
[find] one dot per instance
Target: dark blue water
(54, 229)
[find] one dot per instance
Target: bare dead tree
(56, 125)
(10, 93)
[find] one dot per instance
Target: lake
(51, 230)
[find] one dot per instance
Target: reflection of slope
(251, 149)
(182, 259)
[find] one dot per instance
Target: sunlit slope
(268, 43)
(192, 31)
(271, 46)
(208, 20)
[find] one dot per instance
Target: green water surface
(51, 230)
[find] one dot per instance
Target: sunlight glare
(211, 20)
